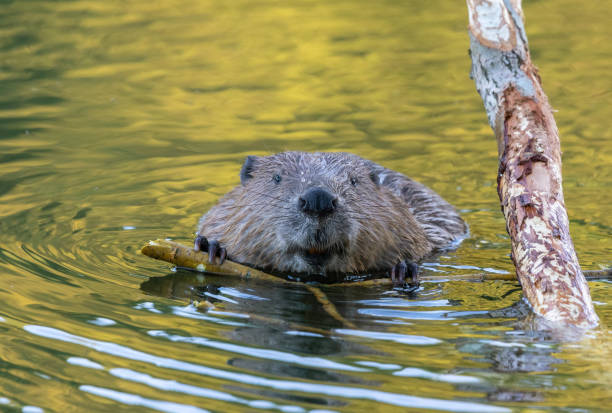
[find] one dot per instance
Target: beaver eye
(276, 178)
(354, 181)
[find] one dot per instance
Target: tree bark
(529, 176)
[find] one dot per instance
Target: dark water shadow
(276, 309)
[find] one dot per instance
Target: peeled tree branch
(529, 176)
(184, 256)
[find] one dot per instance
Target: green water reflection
(122, 122)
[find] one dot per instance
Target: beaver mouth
(319, 256)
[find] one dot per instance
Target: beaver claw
(405, 272)
(212, 247)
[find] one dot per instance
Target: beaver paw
(212, 247)
(405, 272)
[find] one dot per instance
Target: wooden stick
(328, 306)
(529, 176)
(184, 256)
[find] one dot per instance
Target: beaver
(328, 213)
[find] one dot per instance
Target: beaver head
(319, 201)
(314, 213)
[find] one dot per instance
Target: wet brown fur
(382, 216)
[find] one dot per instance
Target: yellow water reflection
(124, 121)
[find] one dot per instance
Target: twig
(186, 257)
(183, 256)
(328, 306)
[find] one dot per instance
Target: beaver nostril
(302, 203)
(317, 201)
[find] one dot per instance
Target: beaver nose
(318, 201)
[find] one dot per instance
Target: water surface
(122, 122)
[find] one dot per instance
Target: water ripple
(276, 355)
(424, 374)
(418, 315)
(400, 302)
(175, 386)
(284, 385)
(135, 400)
(398, 338)
(83, 362)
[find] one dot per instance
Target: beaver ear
(374, 177)
(247, 169)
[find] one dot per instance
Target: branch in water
(529, 176)
(186, 257)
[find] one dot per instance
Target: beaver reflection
(287, 317)
(270, 307)
(286, 302)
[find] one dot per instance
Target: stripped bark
(529, 177)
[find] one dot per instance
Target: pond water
(122, 122)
